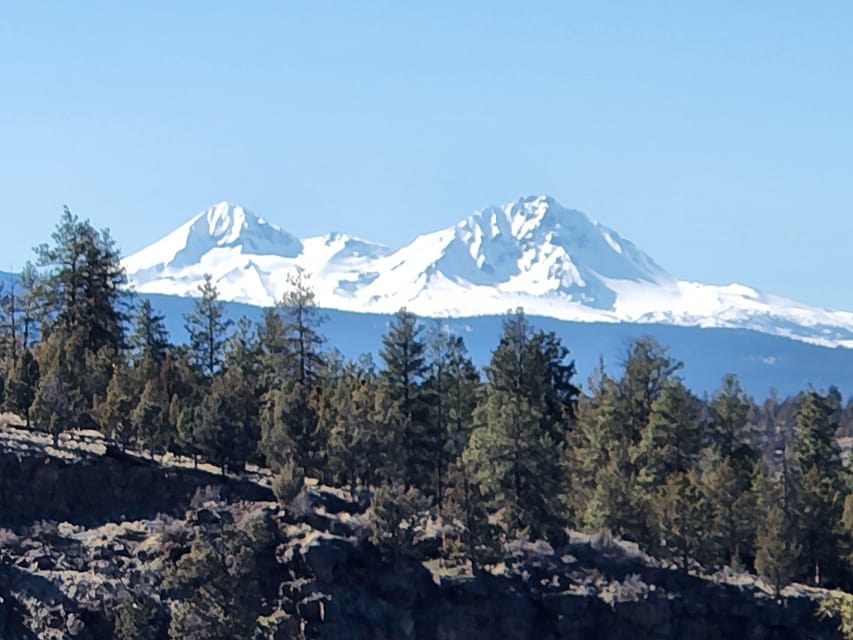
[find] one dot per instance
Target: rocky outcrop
(78, 530)
(93, 485)
(355, 594)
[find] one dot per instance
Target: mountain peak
(531, 252)
(226, 221)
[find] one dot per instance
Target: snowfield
(532, 253)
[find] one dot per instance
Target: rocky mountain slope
(90, 538)
(553, 261)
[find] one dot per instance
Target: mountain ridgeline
(511, 452)
(533, 253)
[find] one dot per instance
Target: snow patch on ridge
(533, 253)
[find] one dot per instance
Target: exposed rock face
(614, 598)
(90, 488)
(62, 579)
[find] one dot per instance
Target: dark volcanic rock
(319, 574)
(92, 489)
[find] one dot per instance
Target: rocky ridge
(83, 524)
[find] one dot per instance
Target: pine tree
(728, 466)
(184, 388)
(9, 321)
(680, 517)
(57, 405)
(450, 388)
(466, 505)
(82, 317)
(778, 548)
(778, 554)
(731, 524)
(516, 449)
(820, 483)
(220, 594)
(149, 341)
(673, 437)
(207, 326)
(593, 443)
(31, 304)
(225, 424)
(346, 413)
(647, 370)
(731, 432)
(403, 354)
(84, 284)
(293, 364)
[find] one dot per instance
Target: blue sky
(718, 136)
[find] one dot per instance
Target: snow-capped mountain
(534, 253)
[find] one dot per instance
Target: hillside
(76, 558)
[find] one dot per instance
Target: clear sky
(718, 136)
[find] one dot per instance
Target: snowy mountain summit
(532, 253)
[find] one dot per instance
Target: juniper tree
(149, 418)
(21, 383)
(113, 413)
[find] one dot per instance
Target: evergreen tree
(680, 515)
(346, 413)
(149, 341)
(397, 514)
(225, 423)
(293, 364)
(593, 442)
(81, 289)
(778, 552)
(9, 322)
(21, 384)
(220, 593)
(450, 387)
(113, 413)
(820, 484)
(150, 418)
(467, 506)
(647, 370)
(31, 304)
(517, 446)
(673, 437)
(731, 432)
(184, 389)
(403, 353)
(731, 523)
(57, 405)
(135, 617)
(84, 284)
(207, 327)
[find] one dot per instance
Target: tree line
(512, 450)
